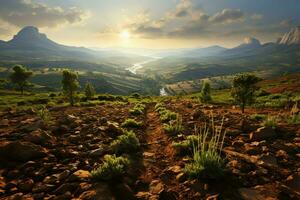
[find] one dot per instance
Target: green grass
(44, 115)
(112, 168)
(293, 119)
(174, 127)
(131, 123)
(138, 109)
(258, 117)
(185, 147)
(126, 143)
(270, 121)
(207, 161)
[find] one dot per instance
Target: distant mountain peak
(29, 32)
(251, 40)
(292, 37)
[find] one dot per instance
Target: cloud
(227, 16)
(25, 12)
(257, 16)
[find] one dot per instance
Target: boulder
(263, 133)
(80, 175)
(100, 191)
(38, 137)
(21, 151)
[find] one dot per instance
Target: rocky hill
(292, 37)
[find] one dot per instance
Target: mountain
(29, 45)
(292, 37)
(204, 52)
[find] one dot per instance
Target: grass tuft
(207, 161)
(126, 143)
(112, 168)
(131, 123)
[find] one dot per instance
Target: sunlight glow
(125, 35)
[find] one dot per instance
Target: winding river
(135, 67)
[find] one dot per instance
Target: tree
(205, 95)
(89, 90)
(70, 84)
(243, 90)
(20, 77)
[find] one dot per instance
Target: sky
(153, 24)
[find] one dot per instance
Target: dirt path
(158, 155)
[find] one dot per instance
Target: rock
(263, 133)
(38, 137)
(97, 152)
(198, 114)
(100, 191)
(12, 174)
(181, 177)
(40, 187)
(66, 187)
(26, 186)
(251, 194)
(21, 151)
(156, 187)
(268, 160)
(293, 184)
(168, 195)
(143, 195)
(233, 132)
(62, 176)
(66, 196)
(174, 169)
(80, 175)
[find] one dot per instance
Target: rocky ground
(54, 161)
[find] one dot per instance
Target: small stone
(181, 177)
(80, 175)
(26, 186)
(262, 133)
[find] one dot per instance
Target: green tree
(89, 90)
(244, 88)
(205, 95)
(20, 77)
(70, 84)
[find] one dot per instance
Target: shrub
(270, 121)
(112, 168)
(207, 161)
(166, 115)
(126, 143)
(138, 109)
(174, 127)
(131, 123)
(158, 105)
(185, 147)
(44, 115)
(205, 95)
(89, 90)
(258, 117)
(294, 117)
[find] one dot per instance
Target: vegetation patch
(131, 123)
(126, 143)
(207, 161)
(138, 109)
(112, 168)
(174, 127)
(270, 121)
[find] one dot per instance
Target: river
(135, 67)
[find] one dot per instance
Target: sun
(125, 35)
